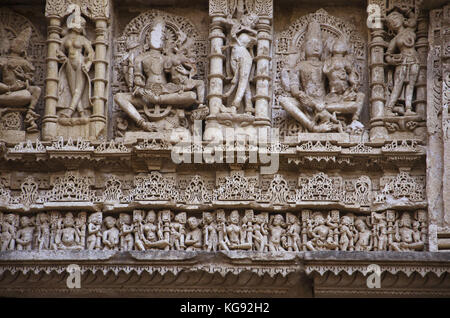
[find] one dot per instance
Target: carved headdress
(313, 32)
(20, 43)
(75, 21)
(157, 37)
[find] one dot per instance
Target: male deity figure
(16, 77)
(307, 84)
(151, 84)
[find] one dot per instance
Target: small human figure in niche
(94, 231)
(363, 237)
(68, 237)
(194, 236)
(43, 231)
(276, 233)
(110, 236)
(178, 232)
(321, 235)
(293, 233)
(80, 226)
(126, 232)
(232, 234)
(406, 238)
(323, 116)
(153, 234)
(260, 233)
(8, 237)
(346, 234)
(24, 237)
(211, 238)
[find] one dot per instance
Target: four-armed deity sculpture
(161, 82)
(16, 78)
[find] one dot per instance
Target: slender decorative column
(51, 89)
(422, 49)
(98, 118)
(216, 59)
(438, 127)
(263, 78)
(377, 45)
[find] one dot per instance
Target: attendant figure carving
(76, 55)
(401, 54)
(24, 238)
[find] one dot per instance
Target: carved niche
(159, 77)
(312, 95)
(77, 67)
(398, 67)
(239, 76)
(22, 62)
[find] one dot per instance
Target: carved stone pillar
(263, 78)
(438, 127)
(422, 49)
(216, 58)
(377, 84)
(51, 90)
(98, 118)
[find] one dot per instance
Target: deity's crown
(313, 31)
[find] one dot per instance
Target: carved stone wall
(225, 147)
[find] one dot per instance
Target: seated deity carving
(233, 236)
(324, 91)
(76, 55)
(67, 236)
(16, 89)
(406, 236)
(161, 82)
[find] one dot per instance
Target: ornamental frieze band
(296, 144)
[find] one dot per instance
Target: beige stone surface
(270, 148)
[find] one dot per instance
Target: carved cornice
(94, 9)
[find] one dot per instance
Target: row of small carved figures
(219, 230)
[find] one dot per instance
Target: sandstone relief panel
(121, 132)
(218, 230)
(161, 92)
(22, 55)
(320, 65)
